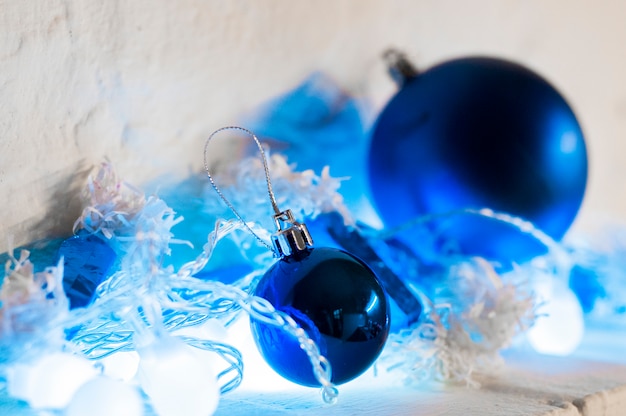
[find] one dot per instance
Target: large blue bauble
(337, 300)
(479, 133)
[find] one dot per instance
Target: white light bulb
(259, 376)
(51, 381)
(560, 325)
(103, 396)
(121, 365)
(177, 379)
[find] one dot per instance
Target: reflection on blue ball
(479, 133)
(337, 300)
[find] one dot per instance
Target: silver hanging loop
(291, 237)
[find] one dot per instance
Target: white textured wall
(143, 82)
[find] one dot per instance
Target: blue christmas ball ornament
(478, 133)
(335, 297)
(332, 295)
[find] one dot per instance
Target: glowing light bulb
(51, 381)
(104, 396)
(560, 326)
(176, 379)
(121, 365)
(259, 376)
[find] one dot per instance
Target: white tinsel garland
(137, 309)
(454, 340)
(29, 299)
(109, 203)
(306, 193)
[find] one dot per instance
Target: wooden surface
(530, 385)
(590, 382)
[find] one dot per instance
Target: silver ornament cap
(291, 236)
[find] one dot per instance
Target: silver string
(260, 308)
(267, 179)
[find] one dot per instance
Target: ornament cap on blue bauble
(334, 296)
(291, 237)
(473, 133)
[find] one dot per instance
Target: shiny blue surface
(337, 300)
(87, 260)
(479, 133)
(330, 230)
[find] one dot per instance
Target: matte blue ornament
(478, 133)
(87, 260)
